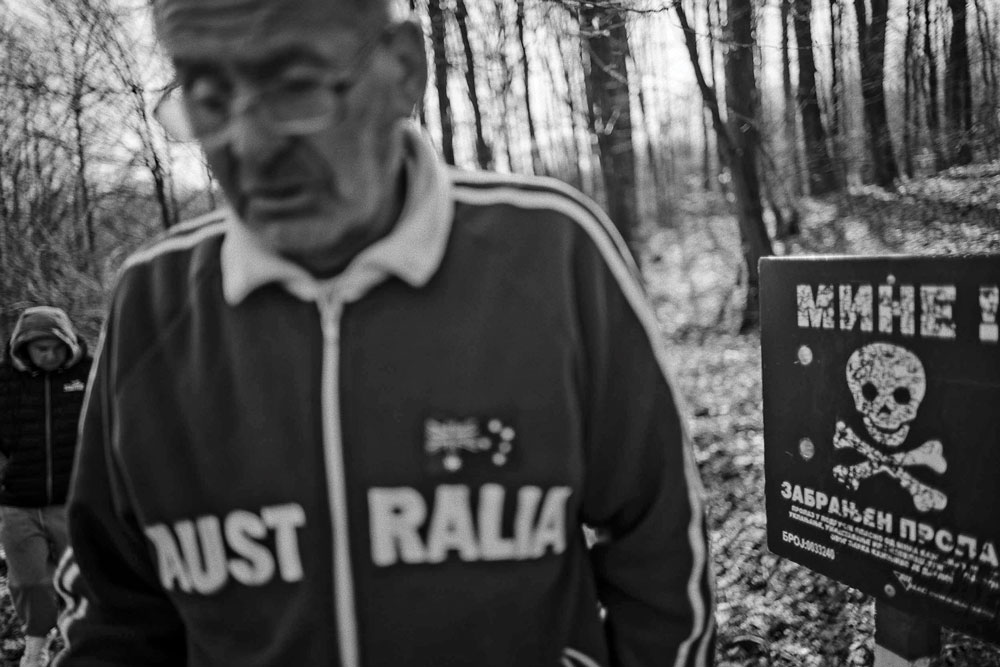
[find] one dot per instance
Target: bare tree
(438, 35)
(565, 154)
(484, 155)
(739, 149)
(421, 111)
(743, 102)
(121, 50)
(871, 49)
(77, 53)
(790, 104)
(989, 61)
(536, 158)
(930, 61)
(572, 107)
(836, 76)
(657, 181)
(958, 87)
(908, 88)
(718, 85)
(604, 33)
(822, 175)
(72, 201)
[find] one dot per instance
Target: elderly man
(41, 393)
(361, 417)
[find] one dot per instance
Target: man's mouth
(275, 199)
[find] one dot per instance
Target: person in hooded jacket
(42, 386)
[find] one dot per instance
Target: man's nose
(252, 138)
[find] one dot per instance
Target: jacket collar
(412, 251)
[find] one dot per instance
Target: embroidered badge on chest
(470, 443)
(75, 385)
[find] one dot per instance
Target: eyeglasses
(295, 105)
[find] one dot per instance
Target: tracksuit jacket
(392, 466)
(39, 412)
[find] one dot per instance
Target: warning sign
(882, 428)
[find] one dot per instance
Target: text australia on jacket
(251, 548)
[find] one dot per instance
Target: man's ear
(407, 47)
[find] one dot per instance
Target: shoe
(36, 652)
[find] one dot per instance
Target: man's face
(316, 189)
(48, 354)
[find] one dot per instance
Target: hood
(43, 322)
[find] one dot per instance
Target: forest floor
(771, 611)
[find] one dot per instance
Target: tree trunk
(871, 50)
(657, 183)
(563, 147)
(933, 114)
(746, 184)
(167, 213)
(710, 175)
(836, 76)
(989, 100)
(85, 211)
(707, 174)
(420, 105)
(500, 79)
(123, 54)
(822, 176)
(536, 157)
(438, 31)
(958, 87)
(484, 156)
(743, 102)
(604, 33)
(574, 119)
(718, 86)
(790, 115)
(908, 92)
(151, 157)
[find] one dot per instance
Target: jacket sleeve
(6, 405)
(643, 495)
(116, 611)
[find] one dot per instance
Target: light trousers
(34, 539)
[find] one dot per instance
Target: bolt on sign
(882, 428)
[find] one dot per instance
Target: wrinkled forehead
(196, 30)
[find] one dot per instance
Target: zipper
(330, 310)
(48, 440)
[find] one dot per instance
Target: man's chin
(307, 239)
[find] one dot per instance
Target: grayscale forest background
(749, 106)
(714, 132)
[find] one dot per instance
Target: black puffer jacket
(39, 413)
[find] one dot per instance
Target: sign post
(903, 640)
(882, 436)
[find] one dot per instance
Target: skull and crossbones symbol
(888, 383)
